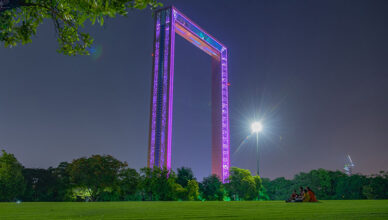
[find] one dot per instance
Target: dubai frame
(169, 21)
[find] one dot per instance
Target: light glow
(256, 127)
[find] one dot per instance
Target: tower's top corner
(165, 8)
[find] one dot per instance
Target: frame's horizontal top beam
(201, 44)
(188, 24)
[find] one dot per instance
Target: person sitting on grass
(312, 196)
(301, 194)
(306, 196)
(299, 198)
(293, 197)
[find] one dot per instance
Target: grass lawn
(352, 209)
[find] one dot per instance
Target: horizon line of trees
(104, 178)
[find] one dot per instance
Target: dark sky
(315, 72)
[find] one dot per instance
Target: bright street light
(256, 127)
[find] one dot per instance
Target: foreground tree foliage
(129, 184)
(41, 185)
(192, 190)
(104, 178)
(212, 188)
(20, 19)
(158, 184)
(11, 178)
(52, 184)
(242, 185)
(184, 175)
(96, 174)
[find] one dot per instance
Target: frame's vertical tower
(159, 152)
(168, 22)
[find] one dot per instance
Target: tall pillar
(159, 149)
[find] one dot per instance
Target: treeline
(330, 185)
(104, 178)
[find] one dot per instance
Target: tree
(279, 188)
(63, 184)
(50, 184)
(96, 173)
(259, 187)
(180, 192)
(192, 190)
(242, 185)
(158, 184)
(11, 178)
(211, 188)
(376, 187)
(354, 186)
(20, 19)
(184, 175)
(40, 185)
(129, 181)
(326, 185)
(146, 183)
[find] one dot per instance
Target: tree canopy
(96, 173)
(184, 175)
(212, 188)
(158, 184)
(129, 182)
(242, 185)
(11, 178)
(20, 19)
(104, 178)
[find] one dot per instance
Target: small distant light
(228, 84)
(18, 201)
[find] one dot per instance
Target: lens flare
(95, 51)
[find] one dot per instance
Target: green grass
(353, 209)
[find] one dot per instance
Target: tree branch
(52, 10)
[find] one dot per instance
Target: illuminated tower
(169, 21)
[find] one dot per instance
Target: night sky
(315, 73)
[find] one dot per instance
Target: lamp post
(257, 127)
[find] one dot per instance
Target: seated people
(301, 193)
(293, 197)
(299, 198)
(306, 196)
(312, 196)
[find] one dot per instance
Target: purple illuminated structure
(168, 22)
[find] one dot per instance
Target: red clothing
(312, 196)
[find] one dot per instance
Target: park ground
(344, 209)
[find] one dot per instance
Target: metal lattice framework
(169, 21)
